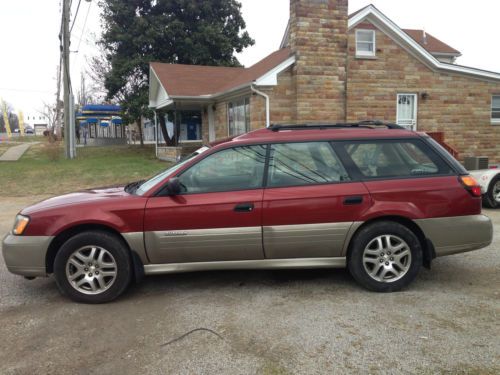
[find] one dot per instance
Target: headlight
(20, 224)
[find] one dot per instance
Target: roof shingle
(200, 80)
(430, 43)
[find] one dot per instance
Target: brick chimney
(318, 36)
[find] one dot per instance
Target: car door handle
(349, 201)
(244, 207)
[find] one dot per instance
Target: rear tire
(93, 267)
(385, 257)
(492, 197)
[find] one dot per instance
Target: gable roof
(426, 40)
(431, 43)
(203, 81)
(412, 41)
(382, 22)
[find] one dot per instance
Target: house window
(495, 109)
(365, 43)
(239, 116)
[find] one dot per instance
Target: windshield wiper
(133, 186)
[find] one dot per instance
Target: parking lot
(259, 322)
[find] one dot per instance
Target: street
(259, 322)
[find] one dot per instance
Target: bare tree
(50, 113)
(87, 95)
(97, 69)
(56, 129)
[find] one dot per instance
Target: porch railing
(439, 138)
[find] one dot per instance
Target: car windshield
(148, 184)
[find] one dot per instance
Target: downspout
(265, 96)
(346, 83)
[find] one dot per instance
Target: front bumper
(25, 255)
(452, 235)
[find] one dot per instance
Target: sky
(30, 28)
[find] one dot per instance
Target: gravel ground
(287, 322)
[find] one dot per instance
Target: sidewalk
(15, 152)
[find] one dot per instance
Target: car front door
(310, 202)
(218, 215)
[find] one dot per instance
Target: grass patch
(22, 139)
(29, 138)
(4, 147)
(39, 172)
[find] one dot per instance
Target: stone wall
(282, 100)
(458, 105)
(318, 37)
(220, 115)
(205, 126)
(174, 154)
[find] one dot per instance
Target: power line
(76, 15)
(84, 26)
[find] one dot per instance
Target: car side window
(295, 164)
(239, 168)
(392, 159)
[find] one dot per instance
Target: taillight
(471, 185)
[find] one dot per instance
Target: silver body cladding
(290, 246)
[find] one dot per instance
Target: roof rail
(361, 124)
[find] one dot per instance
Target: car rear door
(310, 202)
(405, 177)
(217, 217)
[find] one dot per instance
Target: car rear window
(395, 158)
(296, 164)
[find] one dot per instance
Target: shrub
(53, 150)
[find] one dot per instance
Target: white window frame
(416, 108)
(374, 41)
(494, 121)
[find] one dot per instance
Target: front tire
(385, 257)
(93, 267)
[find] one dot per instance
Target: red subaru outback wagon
(379, 199)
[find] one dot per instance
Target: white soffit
(271, 77)
(158, 96)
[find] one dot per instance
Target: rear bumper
(452, 235)
(25, 255)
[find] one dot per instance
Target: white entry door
(407, 111)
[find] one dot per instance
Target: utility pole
(57, 124)
(69, 131)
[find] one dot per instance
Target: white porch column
(156, 135)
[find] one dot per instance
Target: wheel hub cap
(91, 270)
(496, 192)
(387, 258)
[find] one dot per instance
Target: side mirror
(173, 186)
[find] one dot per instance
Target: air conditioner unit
(476, 162)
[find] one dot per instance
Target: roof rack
(361, 124)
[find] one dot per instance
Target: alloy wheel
(496, 192)
(387, 258)
(91, 270)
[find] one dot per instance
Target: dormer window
(365, 43)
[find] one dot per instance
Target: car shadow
(219, 280)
